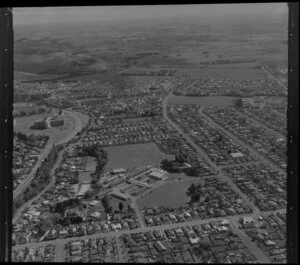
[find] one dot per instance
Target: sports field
(172, 194)
(128, 156)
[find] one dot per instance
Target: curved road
(52, 172)
(78, 126)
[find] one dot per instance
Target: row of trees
(107, 205)
(194, 193)
(31, 139)
(25, 97)
(173, 167)
(101, 156)
(41, 178)
(60, 207)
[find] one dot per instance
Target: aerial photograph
(150, 134)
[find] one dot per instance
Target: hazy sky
(28, 16)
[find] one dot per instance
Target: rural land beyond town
(150, 139)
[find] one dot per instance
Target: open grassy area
(169, 195)
(203, 101)
(128, 156)
(82, 117)
(61, 133)
(24, 123)
(26, 107)
(58, 133)
(114, 202)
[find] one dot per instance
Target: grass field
(169, 195)
(114, 202)
(24, 123)
(82, 117)
(203, 101)
(128, 156)
(58, 133)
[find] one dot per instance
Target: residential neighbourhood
(160, 142)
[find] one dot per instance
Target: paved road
(234, 220)
(66, 139)
(200, 152)
(52, 181)
(275, 78)
(256, 251)
(44, 153)
(78, 126)
(257, 122)
(242, 143)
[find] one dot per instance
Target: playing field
(128, 156)
(172, 194)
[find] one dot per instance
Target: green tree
(121, 206)
(46, 224)
(18, 202)
(191, 190)
(238, 103)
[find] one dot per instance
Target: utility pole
(6, 132)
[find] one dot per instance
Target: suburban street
(275, 78)
(234, 221)
(201, 152)
(44, 153)
(38, 164)
(242, 143)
